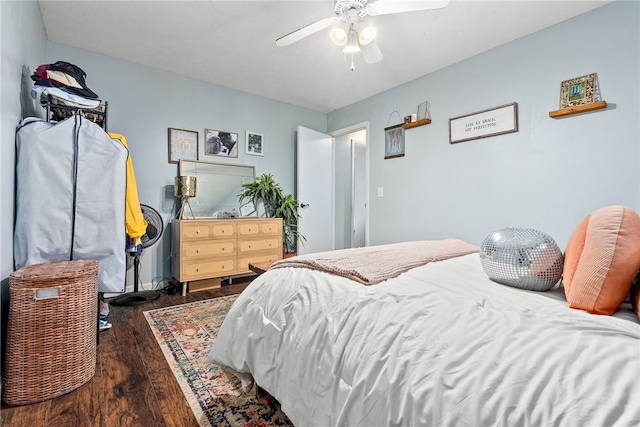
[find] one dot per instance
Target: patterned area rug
(185, 333)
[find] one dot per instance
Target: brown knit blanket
(374, 264)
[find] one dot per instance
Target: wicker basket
(51, 330)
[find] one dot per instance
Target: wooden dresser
(204, 249)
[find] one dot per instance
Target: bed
(439, 344)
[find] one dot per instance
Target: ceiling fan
(350, 30)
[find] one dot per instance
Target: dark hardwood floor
(133, 384)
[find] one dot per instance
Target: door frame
(354, 146)
(351, 129)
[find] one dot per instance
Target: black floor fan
(155, 226)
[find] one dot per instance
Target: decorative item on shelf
(579, 91)
(421, 118)
(423, 111)
(394, 138)
(579, 95)
(185, 188)
(483, 124)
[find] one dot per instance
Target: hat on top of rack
(64, 75)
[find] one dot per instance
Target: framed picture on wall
(183, 144)
(394, 142)
(220, 143)
(254, 144)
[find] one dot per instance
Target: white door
(314, 180)
(358, 193)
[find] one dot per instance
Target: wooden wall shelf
(417, 123)
(578, 109)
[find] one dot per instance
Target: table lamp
(185, 188)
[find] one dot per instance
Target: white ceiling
(232, 43)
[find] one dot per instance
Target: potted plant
(276, 204)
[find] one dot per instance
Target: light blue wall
(144, 103)
(549, 175)
(22, 43)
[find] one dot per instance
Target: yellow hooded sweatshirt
(134, 220)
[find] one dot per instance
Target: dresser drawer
(271, 227)
(202, 269)
(264, 244)
(197, 230)
(207, 249)
(249, 228)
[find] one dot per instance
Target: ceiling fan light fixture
(366, 36)
(340, 34)
(352, 44)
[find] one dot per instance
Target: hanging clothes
(134, 220)
(70, 197)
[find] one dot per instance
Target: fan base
(134, 298)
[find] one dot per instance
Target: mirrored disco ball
(522, 257)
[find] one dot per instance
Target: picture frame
(220, 143)
(394, 141)
(578, 91)
(254, 144)
(182, 144)
(483, 124)
(248, 209)
(423, 111)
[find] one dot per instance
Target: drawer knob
(223, 248)
(197, 269)
(197, 251)
(249, 246)
(197, 231)
(249, 230)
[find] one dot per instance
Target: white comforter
(439, 345)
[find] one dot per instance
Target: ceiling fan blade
(306, 31)
(386, 7)
(371, 52)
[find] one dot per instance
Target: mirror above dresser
(217, 185)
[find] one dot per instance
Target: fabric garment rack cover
(70, 197)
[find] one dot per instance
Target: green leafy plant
(276, 205)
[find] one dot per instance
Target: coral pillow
(601, 259)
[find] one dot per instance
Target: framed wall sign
(254, 144)
(483, 124)
(220, 143)
(393, 141)
(578, 91)
(183, 144)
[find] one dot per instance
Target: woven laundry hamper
(51, 330)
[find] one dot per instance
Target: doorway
(351, 187)
(331, 178)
